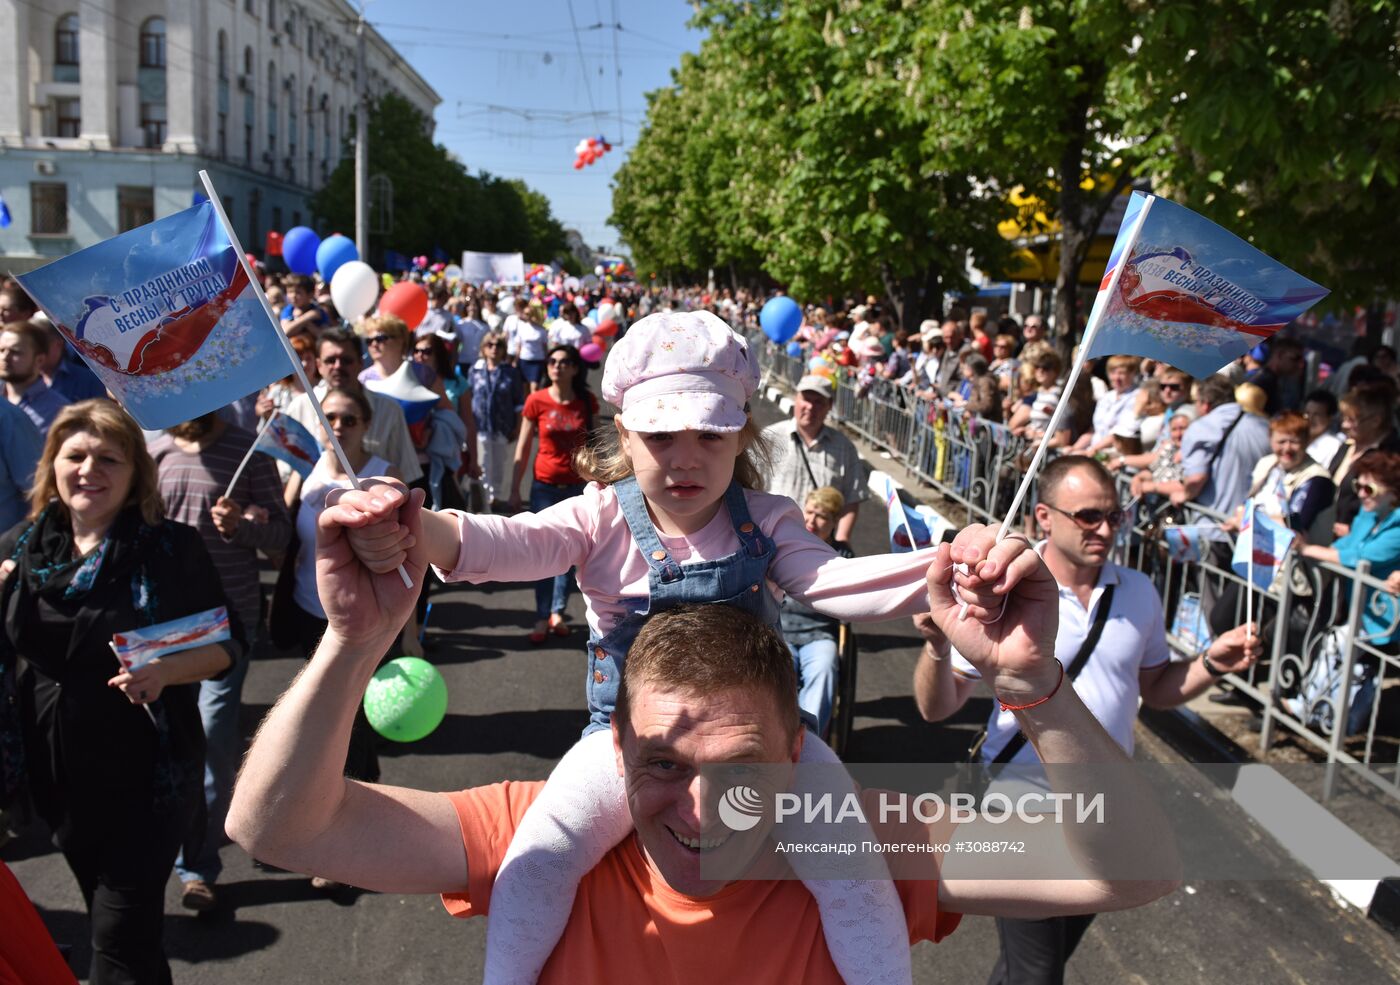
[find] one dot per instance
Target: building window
(223, 136)
(136, 206)
(223, 57)
(152, 124)
(251, 6)
(48, 208)
(68, 117)
(248, 143)
(296, 218)
(254, 207)
(277, 218)
(65, 40)
(153, 43)
(272, 22)
(248, 63)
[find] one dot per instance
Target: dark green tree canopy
(437, 203)
(836, 145)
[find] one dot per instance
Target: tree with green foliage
(835, 145)
(436, 202)
(1276, 118)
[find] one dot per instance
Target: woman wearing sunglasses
(297, 616)
(562, 414)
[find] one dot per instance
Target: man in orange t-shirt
(652, 910)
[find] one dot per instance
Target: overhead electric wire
(617, 73)
(582, 68)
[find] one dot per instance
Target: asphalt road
(516, 708)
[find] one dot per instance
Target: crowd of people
(681, 500)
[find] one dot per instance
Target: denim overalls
(737, 580)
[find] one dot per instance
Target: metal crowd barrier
(1317, 651)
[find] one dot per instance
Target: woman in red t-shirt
(562, 413)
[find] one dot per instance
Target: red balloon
(607, 146)
(578, 164)
(406, 301)
(607, 300)
(607, 329)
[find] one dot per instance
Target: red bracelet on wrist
(1038, 701)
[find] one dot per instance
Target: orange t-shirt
(627, 925)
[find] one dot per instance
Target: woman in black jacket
(114, 758)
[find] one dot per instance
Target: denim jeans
(552, 594)
(817, 660)
(219, 702)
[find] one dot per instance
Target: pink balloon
(591, 353)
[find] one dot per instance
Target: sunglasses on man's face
(378, 339)
(1093, 519)
(1174, 387)
(427, 350)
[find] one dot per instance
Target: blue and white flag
(287, 439)
(166, 317)
(1186, 543)
(1191, 294)
(139, 646)
(5, 219)
(1263, 540)
(908, 529)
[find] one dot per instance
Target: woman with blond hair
(114, 757)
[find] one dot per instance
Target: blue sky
(520, 86)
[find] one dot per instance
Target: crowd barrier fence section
(1325, 667)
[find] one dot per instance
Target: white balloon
(354, 289)
(452, 272)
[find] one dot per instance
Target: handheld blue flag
(166, 317)
(908, 529)
(1190, 294)
(287, 439)
(1264, 542)
(4, 213)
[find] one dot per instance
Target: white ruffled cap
(680, 371)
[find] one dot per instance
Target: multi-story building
(110, 108)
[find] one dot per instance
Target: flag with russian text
(166, 317)
(1264, 540)
(288, 440)
(136, 647)
(1191, 293)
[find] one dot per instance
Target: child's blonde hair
(601, 459)
(828, 499)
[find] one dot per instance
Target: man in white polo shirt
(1116, 653)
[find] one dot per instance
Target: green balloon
(406, 699)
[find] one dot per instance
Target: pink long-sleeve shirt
(590, 532)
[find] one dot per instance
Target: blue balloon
(780, 318)
(794, 349)
(333, 253)
(299, 247)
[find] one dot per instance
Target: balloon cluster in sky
(588, 150)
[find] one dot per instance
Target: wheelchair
(844, 701)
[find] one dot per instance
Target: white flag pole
(1249, 572)
(1090, 331)
(292, 355)
(146, 708)
(251, 448)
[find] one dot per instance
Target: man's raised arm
(1015, 652)
(293, 807)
